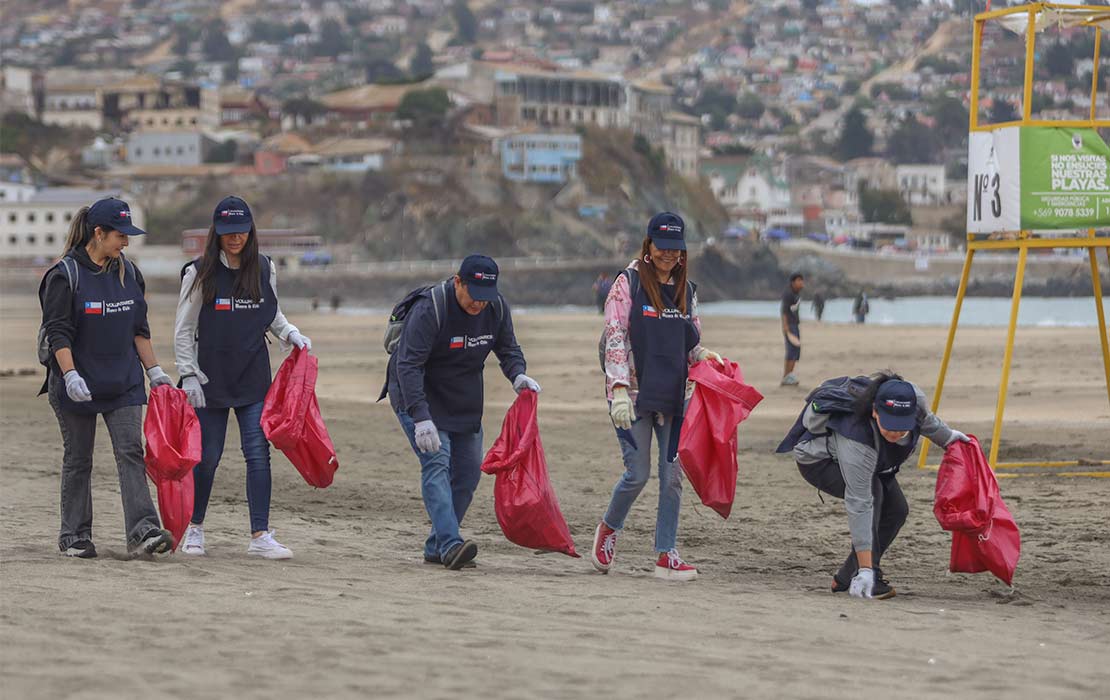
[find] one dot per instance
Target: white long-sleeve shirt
(188, 315)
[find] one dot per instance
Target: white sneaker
(267, 547)
(193, 542)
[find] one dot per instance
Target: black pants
(889, 508)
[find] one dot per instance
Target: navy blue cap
(667, 231)
(479, 274)
(896, 404)
(232, 215)
(112, 213)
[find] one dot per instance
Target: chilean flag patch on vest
(223, 304)
(650, 312)
(95, 308)
(457, 342)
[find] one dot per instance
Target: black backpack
(835, 396)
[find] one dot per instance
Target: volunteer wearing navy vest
(855, 455)
(228, 302)
(99, 343)
(652, 335)
(435, 387)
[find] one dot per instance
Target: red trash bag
(291, 419)
(523, 498)
(173, 448)
(707, 445)
(969, 504)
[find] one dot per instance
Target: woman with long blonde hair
(94, 321)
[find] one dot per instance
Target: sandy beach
(357, 613)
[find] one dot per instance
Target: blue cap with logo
(667, 231)
(112, 213)
(896, 404)
(479, 274)
(232, 215)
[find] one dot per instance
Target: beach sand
(357, 614)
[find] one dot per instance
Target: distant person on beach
(818, 304)
(95, 343)
(860, 307)
(849, 442)
(652, 335)
(228, 303)
(335, 301)
(791, 327)
(435, 387)
(602, 285)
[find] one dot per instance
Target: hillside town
(840, 122)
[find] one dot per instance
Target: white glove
(862, 584)
(299, 341)
(193, 391)
(76, 388)
(158, 377)
(704, 354)
(523, 381)
(427, 437)
(621, 409)
(957, 435)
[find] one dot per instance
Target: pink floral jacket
(619, 367)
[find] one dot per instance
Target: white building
(182, 148)
(921, 185)
(37, 226)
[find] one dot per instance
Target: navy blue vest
(106, 314)
(661, 340)
(231, 341)
(862, 430)
(453, 383)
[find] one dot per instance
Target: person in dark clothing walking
(861, 307)
(855, 454)
(94, 322)
(818, 305)
(435, 387)
(791, 327)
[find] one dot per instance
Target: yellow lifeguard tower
(1030, 178)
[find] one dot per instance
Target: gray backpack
(401, 310)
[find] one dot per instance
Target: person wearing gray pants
(95, 343)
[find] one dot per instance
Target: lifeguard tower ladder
(1028, 20)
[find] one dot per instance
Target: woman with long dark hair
(652, 336)
(849, 442)
(227, 304)
(97, 342)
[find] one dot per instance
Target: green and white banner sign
(1037, 178)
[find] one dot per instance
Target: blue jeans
(637, 469)
(256, 451)
(448, 479)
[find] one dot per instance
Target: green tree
(333, 41)
(1058, 60)
(421, 63)
(856, 140)
(426, 109)
(749, 106)
(224, 152)
(466, 26)
(912, 142)
(717, 102)
(883, 206)
(214, 43)
(1002, 111)
(951, 119)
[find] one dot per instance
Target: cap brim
(889, 421)
(129, 230)
(481, 293)
(222, 229)
(668, 244)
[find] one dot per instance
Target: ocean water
(930, 311)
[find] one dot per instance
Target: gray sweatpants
(125, 427)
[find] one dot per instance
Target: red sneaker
(605, 547)
(671, 567)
